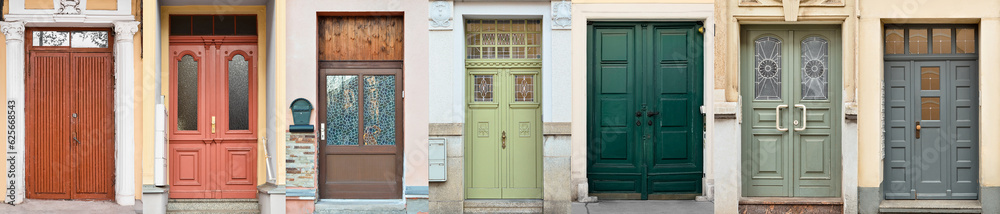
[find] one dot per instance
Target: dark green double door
(644, 121)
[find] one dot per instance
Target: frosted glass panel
(930, 108)
(965, 40)
(894, 41)
(380, 110)
(90, 39)
(815, 68)
(187, 93)
(50, 38)
(342, 110)
(930, 78)
(239, 81)
(918, 41)
(767, 68)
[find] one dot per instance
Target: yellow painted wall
(279, 93)
(101, 4)
(37, 4)
(147, 105)
(642, 1)
(139, 97)
(166, 11)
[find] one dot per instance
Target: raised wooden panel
(360, 38)
(354, 179)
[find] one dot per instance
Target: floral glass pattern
(187, 93)
(767, 68)
(50, 38)
(503, 39)
(239, 92)
(484, 88)
(342, 110)
(524, 88)
(380, 110)
(815, 60)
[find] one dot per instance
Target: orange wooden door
(213, 128)
(71, 138)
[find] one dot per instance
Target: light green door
(503, 141)
(790, 87)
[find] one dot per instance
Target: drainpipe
(267, 161)
(159, 144)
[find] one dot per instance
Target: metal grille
(503, 39)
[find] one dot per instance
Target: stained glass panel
(524, 88)
(380, 110)
(239, 80)
(484, 88)
(965, 40)
(918, 41)
(187, 93)
(930, 78)
(815, 60)
(930, 108)
(894, 41)
(941, 40)
(342, 110)
(503, 39)
(767, 68)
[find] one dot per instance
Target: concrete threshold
(930, 206)
(361, 204)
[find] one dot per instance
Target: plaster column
(15, 98)
(124, 112)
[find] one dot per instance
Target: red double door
(213, 116)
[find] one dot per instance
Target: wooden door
(213, 134)
(791, 143)
(70, 116)
(645, 121)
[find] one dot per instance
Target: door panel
(239, 169)
(899, 130)
(94, 125)
(815, 147)
(49, 126)
(189, 174)
(645, 123)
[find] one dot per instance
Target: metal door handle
(777, 118)
(213, 124)
(503, 140)
(918, 129)
(804, 120)
(74, 139)
(322, 131)
(652, 113)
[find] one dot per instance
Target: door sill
(791, 200)
(930, 206)
(361, 204)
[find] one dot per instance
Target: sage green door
(790, 87)
(503, 141)
(644, 121)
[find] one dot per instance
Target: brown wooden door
(70, 123)
(213, 114)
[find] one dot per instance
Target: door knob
(503, 140)
(918, 129)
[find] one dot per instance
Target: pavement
(650, 206)
(73, 207)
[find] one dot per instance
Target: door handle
(213, 124)
(503, 140)
(322, 131)
(74, 131)
(777, 118)
(652, 113)
(804, 120)
(918, 129)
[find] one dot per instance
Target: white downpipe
(159, 145)
(267, 160)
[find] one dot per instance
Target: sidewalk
(637, 206)
(73, 207)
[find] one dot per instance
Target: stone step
(361, 206)
(190, 206)
(930, 206)
(503, 206)
(791, 205)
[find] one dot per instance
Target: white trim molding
(125, 112)
(14, 31)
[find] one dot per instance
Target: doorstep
(930, 206)
(791, 205)
(361, 206)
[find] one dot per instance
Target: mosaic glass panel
(503, 39)
(342, 110)
(930, 108)
(918, 41)
(965, 40)
(187, 93)
(239, 92)
(815, 61)
(524, 88)
(930, 78)
(50, 38)
(941, 40)
(767, 68)
(894, 41)
(380, 110)
(484, 88)
(89, 39)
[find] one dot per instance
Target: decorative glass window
(918, 41)
(484, 88)
(941, 40)
(930, 40)
(198, 25)
(342, 119)
(239, 92)
(503, 39)
(814, 68)
(73, 39)
(894, 41)
(930, 78)
(524, 88)
(965, 40)
(380, 110)
(767, 68)
(930, 108)
(187, 93)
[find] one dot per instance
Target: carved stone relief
(561, 15)
(801, 2)
(68, 7)
(440, 15)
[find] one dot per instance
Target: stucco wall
(301, 68)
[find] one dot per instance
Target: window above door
(930, 39)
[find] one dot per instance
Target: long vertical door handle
(73, 131)
(918, 129)
(804, 120)
(503, 140)
(322, 131)
(777, 118)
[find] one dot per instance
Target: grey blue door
(931, 113)
(790, 87)
(644, 122)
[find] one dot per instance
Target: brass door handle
(918, 129)
(213, 124)
(503, 140)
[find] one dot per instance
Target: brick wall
(300, 162)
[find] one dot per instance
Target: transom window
(207, 25)
(503, 39)
(930, 40)
(73, 39)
